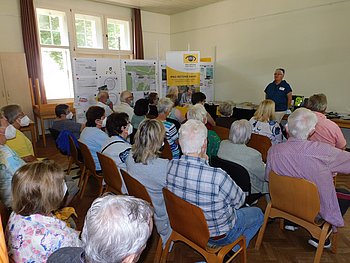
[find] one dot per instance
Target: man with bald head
(126, 100)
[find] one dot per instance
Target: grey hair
(317, 102)
(173, 90)
(197, 112)
(124, 95)
(301, 123)
(165, 105)
(102, 93)
(11, 112)
(115, 227)
(240, 132)
(192, 136)
(226, 108)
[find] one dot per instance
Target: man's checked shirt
(212, 189)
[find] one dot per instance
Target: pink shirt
(316, 162)
(327, 131)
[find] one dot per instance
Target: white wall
(310, 39)
(10, 26)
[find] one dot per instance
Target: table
(342, 123)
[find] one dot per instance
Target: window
(118, 34)
(55, 54)
(88, 31)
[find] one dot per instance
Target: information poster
(207, 80)
(140, 77)
(183, 68)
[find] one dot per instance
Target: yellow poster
(183, 68)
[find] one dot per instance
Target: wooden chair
(3, 249)
(111, 174)
(75, 158)
(166, 152)
(222, 132)
(260, 143)
(287, 195)
(135, 188)
(90, 169)
(190, 226)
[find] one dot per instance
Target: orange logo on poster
(190, 58)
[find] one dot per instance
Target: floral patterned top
(34, 238)
(270, 129)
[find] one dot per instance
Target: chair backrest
(166, 152)
(237, 172)
(54, 133)
(287, 193)
(260, 143)
(74, 151)
(110, 173)
(3, 249)
(222, 132)
(186, 219)
(135, 188)
(88, 159)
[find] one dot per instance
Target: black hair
(198, 97)
(61, 109)
(94, 113)
(152, 97)
(115, 122)
(141, 107)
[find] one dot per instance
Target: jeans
(248, 222)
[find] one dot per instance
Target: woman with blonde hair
(263, 122)
(145, 165)
(33, 232)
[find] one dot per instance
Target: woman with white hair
(198, 112)
(263, 122)
(145, 165)
(235, 150)
(164, 107)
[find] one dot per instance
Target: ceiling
(167, 7)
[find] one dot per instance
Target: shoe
(314, 242)
(291, 228)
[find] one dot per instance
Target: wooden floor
(277, 246)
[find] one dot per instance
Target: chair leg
(86, 179)
(321, 242)
(159, 251)
(263, 227)
(334, 243)
(70, 165)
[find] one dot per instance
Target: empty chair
(287, 193)
(260, 143)
(90, 169)
(190, 226)
(111, 174)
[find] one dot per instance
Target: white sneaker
(314, 242)
(290, 228)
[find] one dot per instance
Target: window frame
(126, 21)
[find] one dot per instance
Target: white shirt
(125, 107)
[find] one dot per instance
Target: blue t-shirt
(278, 93)
(94, 138)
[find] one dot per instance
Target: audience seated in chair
(116, 146)
(317, 162)
(141, 109)
(145, 166)
(64, 121)
(225, 109)
(116, 229)
(125, 105)
(171, 134)
(235, 150)
(264, 123)
(198, 112)
(20, 144)
(153, 99)
(175, 113)
(9, 160)
(199, 97)
(33, 232)
(212, 189)
(92, 135)
(326, 130)
(104, 102)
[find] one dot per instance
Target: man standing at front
(212, 189)
(280, 92)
